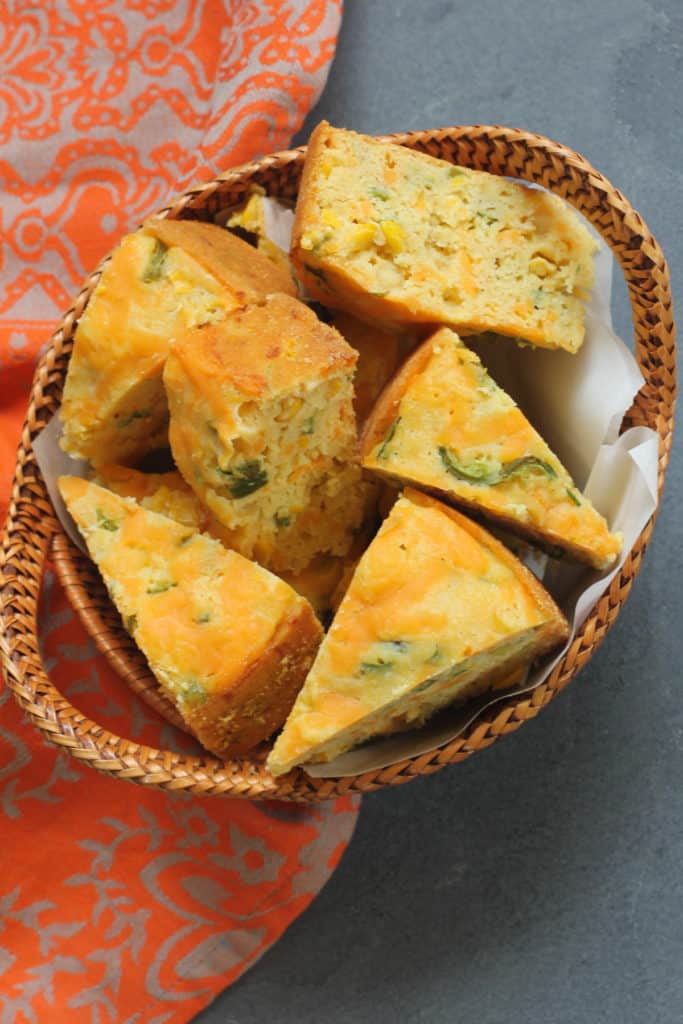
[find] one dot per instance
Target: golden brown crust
(378, 358)
(231, 724)
(232, 261)
(246, 349)
(316, 144)
(386, 407)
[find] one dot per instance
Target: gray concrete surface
(541, 881)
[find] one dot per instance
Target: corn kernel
(394, 235)
(541, 267)
(362, 236)
(330, 219)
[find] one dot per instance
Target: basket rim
(23, 563)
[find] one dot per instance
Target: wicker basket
(32, 532)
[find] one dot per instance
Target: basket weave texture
(32, 533)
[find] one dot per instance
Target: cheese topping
(433, 606)
(229, 642)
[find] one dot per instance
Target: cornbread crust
(397, 237)
(378, 358)
(240, 267)
(437, 611)
(191, 607)
(569, 522)
(263, 429)
(231, 724)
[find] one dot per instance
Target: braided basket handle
(31, 525)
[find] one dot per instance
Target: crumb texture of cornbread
(437, 611)
(378, 358)
(229, 643)
(165, 493)
(399, 237)
(165, 277)
(263, 429)
(444, 424)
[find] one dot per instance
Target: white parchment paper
(577, 402)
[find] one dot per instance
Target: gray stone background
(542, 880)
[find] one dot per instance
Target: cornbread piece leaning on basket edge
(437, 611)
(262, 428)
(444, 424)
(168, 494)
(160, 279)
(229, 643)
(396, 236)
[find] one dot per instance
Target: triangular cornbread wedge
(229, 643)
(161, 279)
(437, 610)
(398, 237)
(445, 425)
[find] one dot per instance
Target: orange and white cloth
(118, 903)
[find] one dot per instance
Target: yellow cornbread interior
(453, 430)
(434, 612)
(165, 493)
(203, 616)
(262, 428)
(114, 407)
(396, 236)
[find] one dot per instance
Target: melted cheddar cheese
(398, 237)
(445, 424)
(437, 610)
(228, 642)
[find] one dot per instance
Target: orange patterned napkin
(119, 903)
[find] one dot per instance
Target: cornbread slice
(444, 424)
(378, 358)
(229, 642)
(160, 279)
(262, 428)
(437, 611)
(398, 237)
